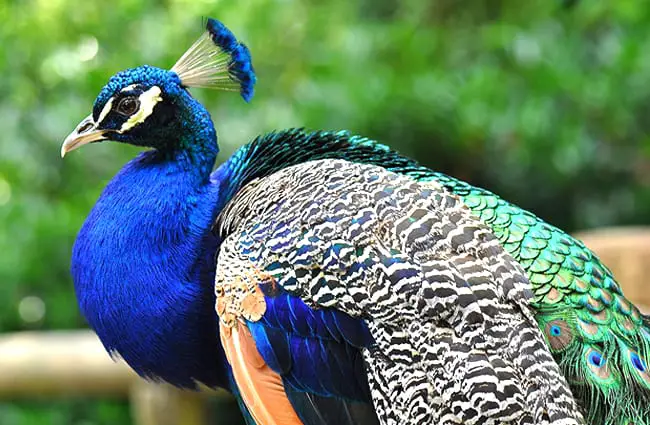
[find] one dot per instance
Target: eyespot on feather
(555, 330)
(597, 365)
(638, 362)
(596, 359)
(559, 334)
(637, 366)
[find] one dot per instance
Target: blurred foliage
(544, 102)
(68, 412)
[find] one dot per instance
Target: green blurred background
(545, 102)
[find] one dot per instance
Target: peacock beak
(86, 132)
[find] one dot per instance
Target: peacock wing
(453, 337)
(577, 302)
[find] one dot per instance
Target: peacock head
(146, 105)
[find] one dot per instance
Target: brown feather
(260, 387)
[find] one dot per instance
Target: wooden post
(59, 363)
(626, 251)
(162, 404)
(74, 363)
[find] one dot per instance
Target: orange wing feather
(260, 387)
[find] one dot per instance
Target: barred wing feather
(451, 335)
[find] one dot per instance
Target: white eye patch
(148, 100)
(105, 111)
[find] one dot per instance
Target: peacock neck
(143, 265)
(194, 147)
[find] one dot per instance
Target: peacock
(323, 278)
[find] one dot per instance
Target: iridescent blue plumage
(145, 74)
(221, 35)
(316, 351)
(118, 269)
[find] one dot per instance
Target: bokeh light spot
(31, 309)
(88, 48)
(5, 191)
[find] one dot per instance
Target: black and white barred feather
(455, 338)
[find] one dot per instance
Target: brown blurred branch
(75, 363)
(55, 363)
(626, 251)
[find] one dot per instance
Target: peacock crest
(217, 60)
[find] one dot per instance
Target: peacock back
(598, 337)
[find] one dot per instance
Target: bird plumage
(443, 302)
(578, 304)
(464, 260)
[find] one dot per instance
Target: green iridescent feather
(598, 337)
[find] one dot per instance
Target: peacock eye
(128, 105)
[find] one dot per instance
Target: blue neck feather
(143, 263)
